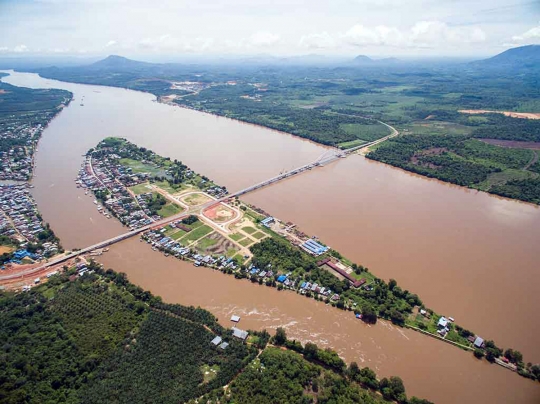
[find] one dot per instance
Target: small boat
(95, 201)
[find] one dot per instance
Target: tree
(513, 356)
(368, 314)
(281, 336)
(354, 371)
(392, 284)
(310, 351)
(478, 353)
(368, 378)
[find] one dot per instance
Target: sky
(171, 29)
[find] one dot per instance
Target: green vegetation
(236, 236)
(249, 230)
(101, 339)
(140, 188)
(341, 105)
(169, 209)
(387, 300)
(464, 161)
(196, 234)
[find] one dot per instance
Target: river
(467, 254)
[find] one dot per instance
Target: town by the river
(467, 254)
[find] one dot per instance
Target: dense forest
(101, 339)
(98, 338)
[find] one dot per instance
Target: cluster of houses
(20, 135)
(20, 219)
(172, 247)
(294, 284)
(109, 180)
(236, 332)
(443, 327)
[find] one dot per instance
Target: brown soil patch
(435, 151)
(522, 115)
(219, 213)
(513, 144)
(336, 274)
(222, 246)
(5, 249)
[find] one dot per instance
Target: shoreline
(172, 103)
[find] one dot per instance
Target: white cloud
(20, 49)
(318, 41)
(110, 43)
(263, 38)
(531, 36)
(381, 35)
(423, 34)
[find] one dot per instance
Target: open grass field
(249, 230)
(141, 188)
(236, 236)
(196, 234)
(366, 132)
(195, 199)
(215, 244)
(246, 242)
(166, 186)
(140, 167)
(207, 242)
(178, 234)
(259, 235)
(169, 209)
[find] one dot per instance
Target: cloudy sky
(172, 28)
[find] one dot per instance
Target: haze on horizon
(173, 29)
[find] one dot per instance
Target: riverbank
(313, 277)
(460, 233)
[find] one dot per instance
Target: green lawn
(259, 235)
(179, 233)
(236, 236)
(169, 209)
(206, 242)
(140, 167)
(245, 242)
(366, 132)
(141, 188)
(249, 230)
(196, 234)
(231, 252)
(166, 186)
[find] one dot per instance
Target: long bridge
(327, 157)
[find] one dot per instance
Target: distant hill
(522, 57)
(119, 63)
(362, 59)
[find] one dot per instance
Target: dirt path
(533, 161)
(522, 115)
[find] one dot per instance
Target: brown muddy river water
(466, 254)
